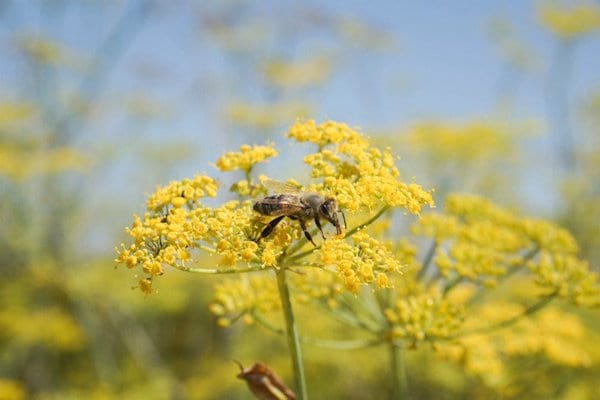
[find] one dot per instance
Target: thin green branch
(345, 318)
(511, 321)
(367, 222)
(451, 284)
(427, 260)
(529, 255)
(297, 246)
(324, 343)
(212, 271)
(351, 317)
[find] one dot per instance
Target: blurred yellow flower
(570, 22)
(12, 390)
(484, 242)
(302, 73)
(264, 116)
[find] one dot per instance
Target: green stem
(367, 222)
(526, 258)
(297, 246)
(398, 367)
(292, 334)
(451, 284)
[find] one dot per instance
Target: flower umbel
(177, 229)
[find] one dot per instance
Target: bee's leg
(303, 226)
(269, 228)
(318, 223)
(344, 217)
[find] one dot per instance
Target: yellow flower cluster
(357, 175)
(553, 333)
(570, 22)
(180, 193)
(480, 241)
(323, 134)
(567, 276)
(423, 316)
(365, 260)
(246, 158)
(226, 231)
(167, 228)
(237, 298)
(177, 229)
(171, 234)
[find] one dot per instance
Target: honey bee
(297, 205)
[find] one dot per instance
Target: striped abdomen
(279, 204)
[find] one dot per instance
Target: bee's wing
(279, 187)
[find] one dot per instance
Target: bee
(297, 205)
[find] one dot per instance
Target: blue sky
(442, 66)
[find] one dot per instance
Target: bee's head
(328, 210)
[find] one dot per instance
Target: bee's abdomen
(271, 204)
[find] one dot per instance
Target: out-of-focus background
(100, 101)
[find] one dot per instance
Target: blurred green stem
(292, 334)
(218, 270)
(323, 343)
(427, 261)
(511, 321)
(398, 369)
(513, 270)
